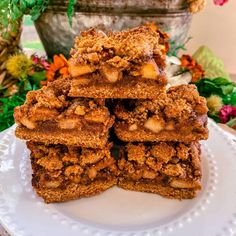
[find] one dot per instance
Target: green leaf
(212, 65)
(23, 6)
(14, 2)
(7, 106)
(16, 12)
(221, 81)
(5, 22)
(218, 86)
(30, 3)
(232, 122)
(35, 12)
(35, 16)
(174, 48)
(4, 4)
(70, 10)
(41, 2)
(27, 85)
(215, 117)
(230, 99)
(36, 78)
(227, 89)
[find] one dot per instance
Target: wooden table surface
(3, 232)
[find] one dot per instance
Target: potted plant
(51, 17)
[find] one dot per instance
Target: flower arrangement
(207, 72)
(219, 92)
(33, 72)
(28, 74)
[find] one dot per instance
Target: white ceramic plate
(118, 212)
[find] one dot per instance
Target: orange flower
(58, 68)
(187, 62)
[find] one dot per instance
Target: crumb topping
(162, 162)
(51, 104)
(138, 52)
(180, 106)
(132, 45)
(57, 165)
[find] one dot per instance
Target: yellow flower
(214, 104)
(19, 65)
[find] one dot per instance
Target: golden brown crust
(180, 115)
(66, 137)
(75, 191)
(133, 88)
(164, 191)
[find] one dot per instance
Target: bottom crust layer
(75, 191)
(164, 191)
(129, 88)
(67, 137)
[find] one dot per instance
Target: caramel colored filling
(180, 109)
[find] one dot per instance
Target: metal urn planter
(57, 36)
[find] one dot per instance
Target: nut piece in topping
(79, 69)
(99, 115)
(27, 123)
(181, 183)
(149, 70)
(149, 174)
(92, 173)
(80, 110)
(173, 170)
(154, 124)
(52, 183)
(68, 123)
(111, 73)
(133, 127)
(81, 81)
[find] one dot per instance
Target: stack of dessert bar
(116, 96)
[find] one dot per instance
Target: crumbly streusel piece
(50, 116)
(161, 168)
(62, 173)
(126, 64)
(180, 115)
